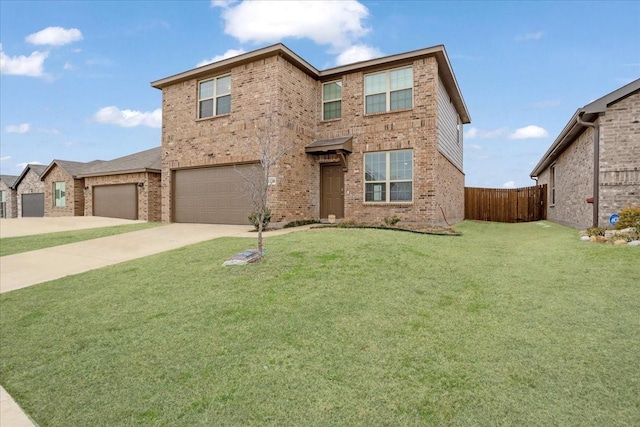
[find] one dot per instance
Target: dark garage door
(33, 205)
(215, 195)
(116, 201)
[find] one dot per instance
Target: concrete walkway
(14, 227)
(30, 268)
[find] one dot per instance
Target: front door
(331, 191)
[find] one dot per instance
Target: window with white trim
(214, 97)
(388, 176)
(332, 100)
(389, 90)
(60, 194)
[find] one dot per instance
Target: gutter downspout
(596, 165)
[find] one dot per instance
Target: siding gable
(449, 138)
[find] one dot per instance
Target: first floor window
(3, 204)
(60, 194)
(388, 176)
(214, 97)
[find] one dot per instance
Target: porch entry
(331, 190)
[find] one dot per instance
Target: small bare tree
(262, 140)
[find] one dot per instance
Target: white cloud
(55, 36)
(529, 132)
(474, 146)
(128, 118)
(228, 54)
(69, 66)
(333, 23)
(22, 65)
(357, 53)
(509, 184)
(21, 128)
(531, 36)
(474, 132)
(5, 158)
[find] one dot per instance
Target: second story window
(389, 90)
(214, 97)
(331, 100)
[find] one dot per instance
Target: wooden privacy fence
(506, 205)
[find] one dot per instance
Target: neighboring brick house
(367, 140)
(8, 205)
(127, 187)
(30, 191)
(586, 185)
(63, 188)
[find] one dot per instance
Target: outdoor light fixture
(141, 184)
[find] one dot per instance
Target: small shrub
(596, 231)
(629, 217)
(300, 223)
(254, 218)
(390, 221)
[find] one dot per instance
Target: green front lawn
(16, 245)
(509, 324)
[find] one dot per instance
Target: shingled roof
(144, 161)
(8, 180)
(72, 168)
(38, 169)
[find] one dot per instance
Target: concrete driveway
(14, 227)
(30, 268)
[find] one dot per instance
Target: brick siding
(619, 157)
(30, 184)
(274, 89)
(74, 203)
(148, 194)
(573, 184)
(11, 206)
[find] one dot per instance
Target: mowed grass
(507, 325)
(16, 245)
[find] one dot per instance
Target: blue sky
(75, 76)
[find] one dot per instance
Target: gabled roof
(38, 169)
(444, 69)
(573, 129)
(71, 168)
(144, 161)
(8, 180)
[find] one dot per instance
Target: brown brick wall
(148, 194)
(619, 157)
(411, 129)
(12, 206)
(74, 205)
(574, 184)
(273, 89)
(449, 192)
(30, 184)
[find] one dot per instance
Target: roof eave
(227, 64)
(119, 172)
(444, 69)
(571, 130)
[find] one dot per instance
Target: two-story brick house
(592, 169)
(365, 141)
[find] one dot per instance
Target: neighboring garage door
(214, 195)
(33, 205)
(116, 201)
